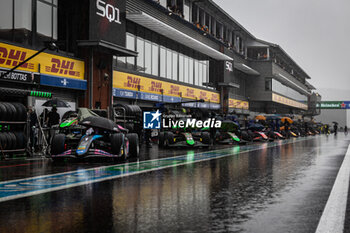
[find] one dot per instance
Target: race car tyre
(20, 140)
(9, 143)
(129, 126)
(205, 137)
(57, 144)
(169, 138)
(245, 136)
(134, 147)
(21, 111)
(117, 141)
(135, 110)
(3, 141)
(2, 112)
(161, 137)
(10, 111)
(13, 140)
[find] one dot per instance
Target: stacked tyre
(12, 112)
(130, 110)
(12, 140)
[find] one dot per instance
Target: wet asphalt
(281, 188)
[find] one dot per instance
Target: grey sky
(315, 33)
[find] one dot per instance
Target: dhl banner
(138, 83)
(283, 100)
(54, 65)
(233, 103)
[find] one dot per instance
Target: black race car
(95, 136)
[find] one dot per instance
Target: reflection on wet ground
(265, 190)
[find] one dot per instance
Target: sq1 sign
(107, 21)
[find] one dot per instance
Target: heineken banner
(334, 105)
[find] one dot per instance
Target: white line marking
(333, 216)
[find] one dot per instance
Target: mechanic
(33, 120)
(53, 118)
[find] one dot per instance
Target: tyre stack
(13, 117)
(133, 113)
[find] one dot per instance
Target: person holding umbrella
(335, 127)
(53, 118)
(346, 130)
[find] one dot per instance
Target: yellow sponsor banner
(10, 56)
(139, 83)
(283, 100)
(233, 103)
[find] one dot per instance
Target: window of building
(257, 53)
(130, 44)
(187, 10)
(6, 14)
(163, 3)
(207, 19)
(195, 18)
(162, 61)
(200, 74)
(140, 47)
(176, 6)
(282, 89)
(181, 68)
(46, 21)
(201, 17)
(169, 64)
(175, 64)
(155, 59)
(186, 69)
(205, 72)
(196, 72)
(268, 85)
(17, 15)
(190, 70)
(148, 57)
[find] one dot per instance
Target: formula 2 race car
(180, 138)
(95, 136)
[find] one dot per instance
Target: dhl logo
(203, 95)
(12, 57)
(214, 97)
(174, 90)
(155, 86)
(61, 66)
(133, 82)
(190, 93)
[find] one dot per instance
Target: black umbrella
(334, 122)
(229, 125)
(273, 117)
(256, 127)
(56, 103)
(100, 122)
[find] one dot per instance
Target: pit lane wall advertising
(333, 105)
(286, 101)
(128, 85)
(55, 70)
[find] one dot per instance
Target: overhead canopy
(108, 47)
(158, 26)
(245, 69)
